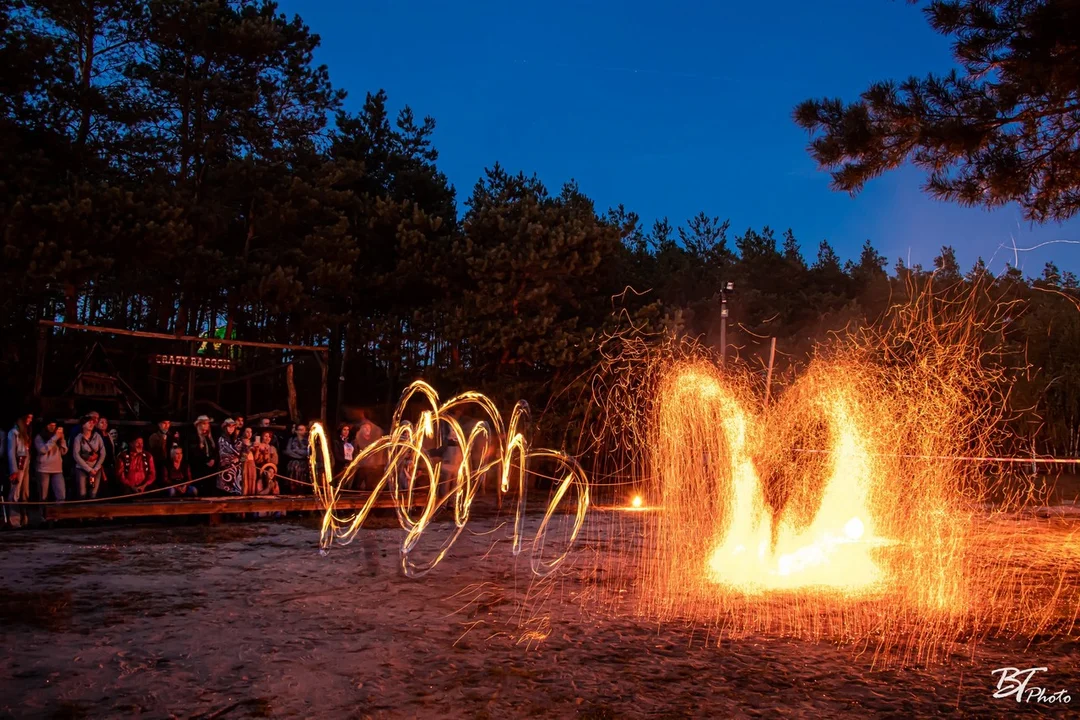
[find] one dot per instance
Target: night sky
(669, 110)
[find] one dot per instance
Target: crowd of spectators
(46, 462)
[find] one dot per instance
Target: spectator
(18, 455)
(240, 424)
(203, 455)
(108, 470)
(250, 473)
(297, 454)
(135, 467)
(343, 449)
(5, 479)
(267, 483)
(51, 447)
(264, 427)
(176, 472)
(372, 466)
(89, 452)
(231, 454)
(162, 442)
(265, 451)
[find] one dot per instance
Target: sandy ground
(246, 619)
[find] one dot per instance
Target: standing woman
(231, 455)
(89, 452)
(18, 455)
(51, 447)
(247, 436)
(297, 452)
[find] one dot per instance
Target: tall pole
(723, 330)
(724, 290)
(768, 378)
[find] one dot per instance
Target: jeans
(189, 491)
(83, 485)
(54, 480)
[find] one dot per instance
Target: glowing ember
(637, 501)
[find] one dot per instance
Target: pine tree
(1005, 128)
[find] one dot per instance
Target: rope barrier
(151, 491)
(144, 493)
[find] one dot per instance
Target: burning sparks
(820, 535)
(864, 503)
(855, 506)
(452, 481)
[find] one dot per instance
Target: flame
(746, 510)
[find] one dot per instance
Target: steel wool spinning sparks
(757, 549)
(488, 447)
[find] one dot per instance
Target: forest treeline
(185, 167)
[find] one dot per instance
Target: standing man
(162, 442)
(371, 468)
(203, 457)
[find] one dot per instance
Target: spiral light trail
(489, 447)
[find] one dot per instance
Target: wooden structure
(212, 506)
(322, 354)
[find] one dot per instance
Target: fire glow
(864, 504)
(758, 549)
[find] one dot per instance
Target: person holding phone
(51, 447)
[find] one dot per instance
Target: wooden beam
(213, 506)
(187, 338)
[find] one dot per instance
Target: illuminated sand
(246, 620)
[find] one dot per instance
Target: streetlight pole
(727, 287)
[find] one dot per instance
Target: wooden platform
(211, 506)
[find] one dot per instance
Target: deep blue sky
(668, 110)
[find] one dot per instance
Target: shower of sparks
(872, 501)
(847, 508)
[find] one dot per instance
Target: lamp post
(727, 288)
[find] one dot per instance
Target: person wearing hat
(203, 456)
(231, 454)
(161, 442)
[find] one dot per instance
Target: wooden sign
(205, 363)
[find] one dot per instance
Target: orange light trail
(489, 446)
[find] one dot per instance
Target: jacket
(17, 447)
(89, 454)
(136, 469)
(50, 454)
